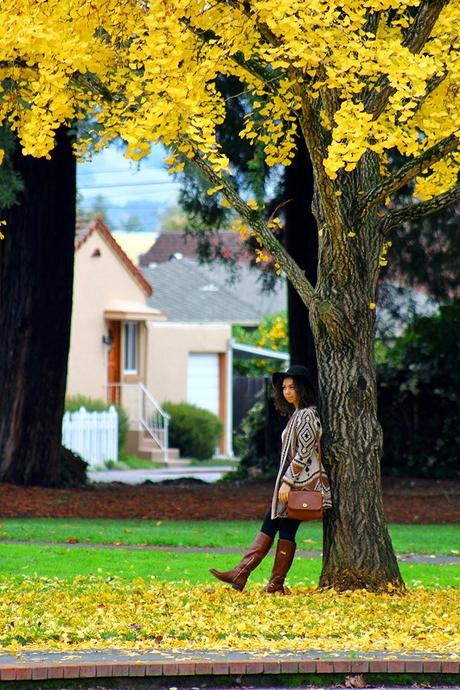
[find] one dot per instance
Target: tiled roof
(85, 229)
(170, 243)
(187, 291)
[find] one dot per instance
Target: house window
(131, 347)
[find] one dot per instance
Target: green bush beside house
(195, 431)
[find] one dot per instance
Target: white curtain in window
(131, 347)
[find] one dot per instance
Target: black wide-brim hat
(295, 371)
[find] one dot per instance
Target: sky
(142, 189)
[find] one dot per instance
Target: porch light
(108, 340)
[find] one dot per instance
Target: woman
(299, 469)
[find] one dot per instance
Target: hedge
(193, 430)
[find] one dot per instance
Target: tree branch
(252, 67)
(308, 123)
(87, 80)
(260, 227)
(311, 129)
(416, 37)
(422, 26)
(93, 82)
(431, 85)
(372, 22)
(420, 209)
(332, 318)
(264, 29)
(408, 171)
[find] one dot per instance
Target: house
(109, 348)
(141, 338)
(202, 302)
(135, 243)
(171, 245)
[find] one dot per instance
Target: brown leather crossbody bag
(307, 505)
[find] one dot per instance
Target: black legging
(287, 527)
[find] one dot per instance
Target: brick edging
(63, 669)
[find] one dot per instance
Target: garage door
(203, 380)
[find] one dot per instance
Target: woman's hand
(283, 493)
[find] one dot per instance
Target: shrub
(419, 405)
(419, 398)
(250, 444)
(259, 440)
(271, 333)
(193, 430)
(72, 471)
(94, 405)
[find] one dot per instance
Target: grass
(215, 462)
(422, 539)
(67, 563)
(133, 462)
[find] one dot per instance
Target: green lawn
(67, 563)
(423, 539)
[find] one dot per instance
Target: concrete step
(178, 462)
(157, 455)
(147, 443)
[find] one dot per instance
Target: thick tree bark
(302, 244)
(357, 550)
(36, 277)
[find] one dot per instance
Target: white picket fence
(93, 435)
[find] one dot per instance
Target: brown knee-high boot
(285, 551)
(237, 576)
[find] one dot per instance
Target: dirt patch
(405, 500)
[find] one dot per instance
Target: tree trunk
(302, 244)
(357, 550)
(36, 278)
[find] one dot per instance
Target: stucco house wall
(99, 277)
(170, 345)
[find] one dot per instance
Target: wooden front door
(113, 362)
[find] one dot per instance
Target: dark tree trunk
(302, 244)
(36, 277)
(357, 550)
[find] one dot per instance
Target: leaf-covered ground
(110, 612)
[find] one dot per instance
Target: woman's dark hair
(306, 391)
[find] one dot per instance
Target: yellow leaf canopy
(147, 72)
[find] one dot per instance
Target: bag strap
(320, 457)
(318, 450)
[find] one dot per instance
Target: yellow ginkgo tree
(364, 79)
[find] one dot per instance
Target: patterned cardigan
(300, 444)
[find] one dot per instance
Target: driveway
(206, 474)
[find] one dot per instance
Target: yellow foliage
(383, 260)
(146, 72)
(96, 612)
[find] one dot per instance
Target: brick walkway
(36, 665)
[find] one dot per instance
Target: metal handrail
(152, 399)
(159, 432)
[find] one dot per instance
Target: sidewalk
(112, 663)
(300, 553)
(205, 474)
